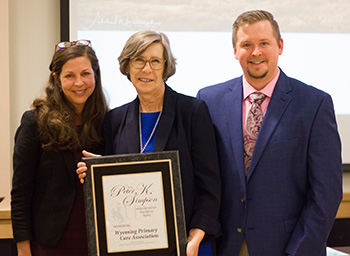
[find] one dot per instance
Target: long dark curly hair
(56, 115)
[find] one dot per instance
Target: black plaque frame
(167, 163)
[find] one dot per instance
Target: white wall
(5, 103)
(29, 32)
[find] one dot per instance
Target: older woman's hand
(81, 166)
(194, 239)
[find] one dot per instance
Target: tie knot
(257, 97)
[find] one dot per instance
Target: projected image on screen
(200, 37)
(316, 38)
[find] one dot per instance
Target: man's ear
(235, 53)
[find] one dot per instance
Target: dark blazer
(185, 125)
(43, 189)
(289, 199)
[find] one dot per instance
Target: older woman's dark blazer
(185, 125)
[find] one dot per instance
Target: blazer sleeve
(25, 160)
(206, 171)
(325, 181)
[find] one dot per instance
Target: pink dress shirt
(248, 89)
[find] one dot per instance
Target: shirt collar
(267, 90)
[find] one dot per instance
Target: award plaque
(134, 205)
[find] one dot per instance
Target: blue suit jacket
(289, 199)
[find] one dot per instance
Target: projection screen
(316, 39)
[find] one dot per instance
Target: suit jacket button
(239, 230)
(242, 200)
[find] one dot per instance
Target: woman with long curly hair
(47, 199)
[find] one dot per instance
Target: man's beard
(257, 77)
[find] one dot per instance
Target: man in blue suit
(287, 201)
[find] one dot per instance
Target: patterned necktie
(254, 119)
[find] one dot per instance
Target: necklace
(142, 149)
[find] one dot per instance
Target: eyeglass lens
(155, 63)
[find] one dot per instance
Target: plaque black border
(135, 163)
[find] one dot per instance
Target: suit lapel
(233, 106)
(69, 160)
(278, 104)
(132, 127)
(166, 120)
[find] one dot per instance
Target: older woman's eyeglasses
(63, 45)
(139, 62)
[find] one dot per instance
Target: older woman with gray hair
(160, 119)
